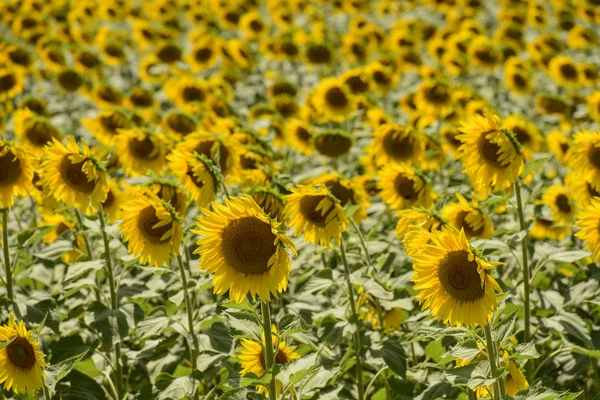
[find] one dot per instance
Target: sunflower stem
(471, 394)
(88, 248)
(9, 282)
(361, 239)
(113, 299)
(526, 275)
(46, 392)
(269, 353)
(195, 350)
(357, 345)
(491, 350)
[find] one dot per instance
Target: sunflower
(482, 53)
(333, 142)
(70, 80)
(403, 187)
(75, 176)
(114, 198)
(561, 205)
(34, 131)
(392, 318)
(469, 218)
(316, 213)
(204, 54)
(107, 125)
(434, 97)
(451, 280)
(584, 156)
(245, 250)
(12, 81)
(252, 358)
(187, 93)
(544, 228)
(254, 167)
(582, 188)
(223, 150)
(347, 191)
(271, 201)
(333, 99)
(383, 78)
(195, 175)
(179, 124)
(449, 133)
(526, 133)
(426, 218)
(21, 362)
(593, 105)
(37, 105)
(517, 80)
(559, 145)
(152, 228)
(490, 158)
(169, 192)
(357, 80)
(564, 72)
(548, 104)
(16, 173)
(141, 150)
(106, 96)
(589, 222)
(299, 135)
(397, 144)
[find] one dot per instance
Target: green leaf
(534, 165)
(243, 325)
(178, 389)
(351, 210)
(290, 324)
(320, 282)
(244, 305)
(460, 375)
(537, 393)
(297, 370)
(376, 290)
(4, 343)
(435, 350)
(251, 379)
(575, 349)
(55, 373)
(235, 394)
(79, 269)
(525, 350)
(568, 256)
(395, 357)
(29, 237)
(77, 386)
(506, 328)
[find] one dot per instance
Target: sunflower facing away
(252, 358)
(75, 176)
(451, 280)
(589, 222)
(21, 362)
(16, 173)
(244, 249)
(316, 213)
(151, 227)
(490, 158)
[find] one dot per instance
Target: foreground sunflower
(490, 156)
(21, 362)
(316, 213)
(584, 156)
(451, 280)
(74, 176)
(252, 359)
(589, 222)
(244, 249)
(152, 228)
(16, 173)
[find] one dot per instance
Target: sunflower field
(299, 199)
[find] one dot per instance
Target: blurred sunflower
(333, 100)
(21, 362)
(490, 158)
(543, 228)
(141, 150)
(548, 104)
(450, 279)
(564, 72)
(74, 175)
(223, 150)
(271, 201)
(252, 358)
(525, 131)
(559, 145)
(107, 125)
(434, 97)
(195, 175)
(299, 135)
(593, 105)
(16, 173)
(426, 218)
(589, 221)
(151, 227)
(582, 188)
(244, 249)
(396, 143)
(347, 191)
(204, 54)
(469, 218)
(333, 142)
(403, 187)
(561, 204)
(584, 156)
(12, 81)
(315, 213)
(34, 131)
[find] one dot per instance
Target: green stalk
(526, 275)
(269, 353)
(491, 350)
(46, 392)
(88, 248)
(357, 345)
(471, 394)
(113, 300)
(195, 350)
(7, 268)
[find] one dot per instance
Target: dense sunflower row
(248, 198)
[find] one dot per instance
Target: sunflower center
(7, 82)
(143, 149)
(332, 145)
(110, 95)
(308, 208)
(202, 55)
(73, 175)
(519, 81)
(206, 147)
(111, 123)
(303, 134)
(341, 192)
(437, 94)
(380, 78)
(89, 60)
(405, 187)
(568, 71)
(594, 156)
(336, 98)
(398, 147)
(289, 49)
(248, 245)
(146, 221)
(459, 277)
(592, 191)
(181, 124)
(280, 358)
(563, 204)
(110, 199)
(490, 151)
(141, 98)
(70, 80)
(21, 353)
(357, 84)
(522, 135)
(248, 162)
(564, 147)
(462, 223)
(169, 53)
(193, 93)
(318, 54)
(196, 180)
(40, 133)
(10, 169)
